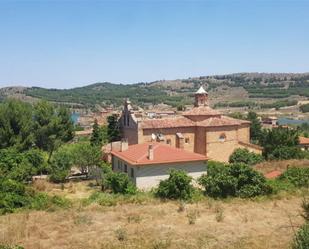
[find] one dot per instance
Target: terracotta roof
(138, 154)
(273, 174)
(202, 111)
(167, 123)
(303, 140)
(214, 121)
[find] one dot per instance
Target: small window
(128, 120)
(168, 141)
(187, 140)
(119, 166)
(222, 137)
(125, 168)
(132, 172)
(124, 120)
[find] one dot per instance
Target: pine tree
(96, 139)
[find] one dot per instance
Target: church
(201, 130)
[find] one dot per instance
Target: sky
(65, 44)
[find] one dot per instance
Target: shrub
(10, 247)
(121, 234)
(12, 195)
(299, 177)
(120, 183)
(177, 186)
(60, 165)
(305, 206)
(285, 153)
(301, 239)
(245, 156)
(234, 180)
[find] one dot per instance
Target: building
(304, 143)
(200, 130)
(149, 163)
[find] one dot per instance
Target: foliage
(299, 177)
(304, 108)
(21, 166)
(234, 180)
(113, 130)
(11, 247)
(301, 239)
(280, 143)
(61, 164)
(255, 126)
(15, 125)
(52, 127)
(177, 186)
(245, 156)
(119, 183)
(99, 135)
(305, 206)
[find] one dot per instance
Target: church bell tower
(201, 97)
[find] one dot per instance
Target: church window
(222, 137)
(187, 140)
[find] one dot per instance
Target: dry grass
(269, 166)
(246, 224)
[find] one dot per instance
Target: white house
(149, 163)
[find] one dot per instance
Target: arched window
(222, 137)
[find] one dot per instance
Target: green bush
(11, 247)
(12, 195)
(61, 163)
(119, 183)
(177, 186)
(301, 239)
(286, 153)
(234, 180)
(245, 156)
(299, 177)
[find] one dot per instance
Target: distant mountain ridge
(171, 92)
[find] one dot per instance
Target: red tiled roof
(303, 140)
(167, 123)
(273, 174)
(218, 121)
(138, 154)
(186, 122)
(202, 111)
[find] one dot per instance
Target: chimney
(150, 152)
(124, 144)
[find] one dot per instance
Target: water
(289, 121)
(74, 117)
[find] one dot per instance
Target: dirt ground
(233, 223)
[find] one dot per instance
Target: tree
(255, 127)
(113, 131)
(280, 143)
(52, 127)
(245, 156)
(99, 134)
(177, 186)
(15, 125)
(233, 180)
(119, 183)
(85, 157)
(61, 163)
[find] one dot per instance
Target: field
(234, 223)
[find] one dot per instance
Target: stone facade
(201, 130)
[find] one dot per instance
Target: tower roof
(201, 90)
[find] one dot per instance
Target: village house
(201, 130)
(304, 143)
(148, 163)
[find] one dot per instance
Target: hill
(244, 88)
